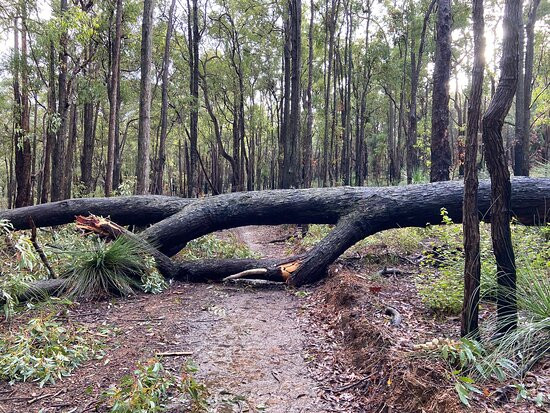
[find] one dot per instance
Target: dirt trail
(249, 344)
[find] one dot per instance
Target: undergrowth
(44, 350)
(210, 246)
(151, 387)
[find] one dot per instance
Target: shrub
(210, 246)
(149, 389)
(43, 350)
(111, 268)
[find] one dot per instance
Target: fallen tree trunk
(124, 210)
(357, 213)
(393, 207)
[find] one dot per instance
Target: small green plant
(210, 246)
(150, 387)
(111, 268)
(43, 350)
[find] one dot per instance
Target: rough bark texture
(194, 39)
(470, 220)
(440, 147)
(158, 183)
(58, 164)
(413, 206)
(113, 100)
(144, 132)
(416, 65)
(130, 210)
(357, 213)
(497, 164)
(519, 154)
(528, 82)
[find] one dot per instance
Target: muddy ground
(328, 348)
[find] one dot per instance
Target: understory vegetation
(437, 249)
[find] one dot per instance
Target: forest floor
(327, 348)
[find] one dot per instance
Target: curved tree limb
(124, 210)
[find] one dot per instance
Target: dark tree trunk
(58, 164)
(71, 148)
(113, 99)
(293, 54)
(194, 39)
(144, 130)
(88, 145)
(308, 138)
(497, 164)
(470, 220)
(528, 83)
(440, 147)
(50, 130)
(416, 65)
(519, 154)
(158, 182)
(22, 144)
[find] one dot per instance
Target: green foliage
(111, 268)
(441, 285)
(210, 246)
(19, 265)
(43, 350)
(149, 388)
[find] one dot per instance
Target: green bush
(43, 350)
(119, 267)
(149, 388)
(210, 246)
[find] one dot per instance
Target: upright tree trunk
(161, 160)
(519, 155)
(470, 214)
(308, 138)
(528, 83)
(440, 147)
(71, 148)
(22, 144)
(194, 39)
(50, 129)
(144, 130)
(293, 47)
(113, 99)
(416, 65)
(497, 164)
(58, 164)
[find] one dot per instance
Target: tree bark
(22, 144)
(58, 164)
(194, 39)
(357, 212)
(470, 221)
(308, 138)
(528, 83)
(158, 183)
(50, 130)
(144, 131)
(440, 147)
(137, 210)
(416, 65)
(519, 154)
(497, 164)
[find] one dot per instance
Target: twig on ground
(174, 354)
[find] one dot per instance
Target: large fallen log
(125, 210)
(357, 213)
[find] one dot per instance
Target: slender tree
(416, 65)
(144, 129)
(470, 213)
(440, 146)
(58, 164)
(495, 156)
(158, 181)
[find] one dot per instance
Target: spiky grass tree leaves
(115, 268)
